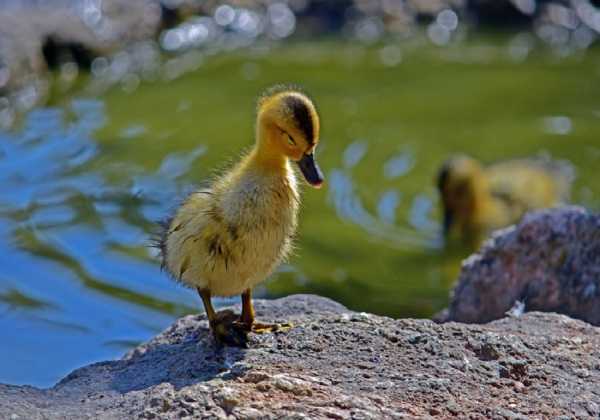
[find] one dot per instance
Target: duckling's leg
(222, 323)
(247, 319)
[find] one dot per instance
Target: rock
(337, 364)
(549, 262)
(35, 35)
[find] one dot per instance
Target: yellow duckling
(225, 240)
(477, 200)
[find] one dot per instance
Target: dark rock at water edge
(548, 262)
(337, 364)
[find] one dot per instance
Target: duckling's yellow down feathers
(226, 239)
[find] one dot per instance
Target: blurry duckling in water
(225, 240)
(477, 200)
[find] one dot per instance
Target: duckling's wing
(527, 184)
(188, 220)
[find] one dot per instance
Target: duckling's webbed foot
(223, 324)
(226, 331)
(247, 320)
(262, 328)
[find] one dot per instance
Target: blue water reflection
(73, 285)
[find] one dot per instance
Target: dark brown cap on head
(297, 106)
(302, 116)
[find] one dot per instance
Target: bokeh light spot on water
(560, 124)
(100, 66)
(527, 7)
(282, 19)
(390, 55)
(224, 15)
(448, 19)
(438, 34)
(520, 46)
(369, 29)
(130, 82)
(91, 12)
(132, 131)
(172, 40)
(248, 23)
(440, 31)
(68, 72)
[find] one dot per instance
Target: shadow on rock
(183, 355)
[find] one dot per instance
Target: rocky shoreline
(337, 364)
(130, 39)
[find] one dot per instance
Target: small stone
(416, 339)
(519, 386)
(293, 385)
(453, 408)
(226, 398)
(434, 411)
(247, 413)
(360, 317)
(256, 377)
(264, 387)
(148, 415)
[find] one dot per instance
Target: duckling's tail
(159, 240)
(562, 171)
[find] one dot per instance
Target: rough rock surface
(338, 364)
(548, 262)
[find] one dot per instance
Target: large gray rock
(548, 262)
(337, 364)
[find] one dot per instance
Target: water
(83, 181)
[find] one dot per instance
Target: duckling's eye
(290, 140)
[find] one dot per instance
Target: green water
(75, 223)
(414, 114)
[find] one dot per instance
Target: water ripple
(349, 207)
(71, 239)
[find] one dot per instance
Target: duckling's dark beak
(448, 220)
(311, 171)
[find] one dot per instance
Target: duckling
(477, 200)
(226, 239)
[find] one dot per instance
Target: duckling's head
(461, 184)
(288, 126)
